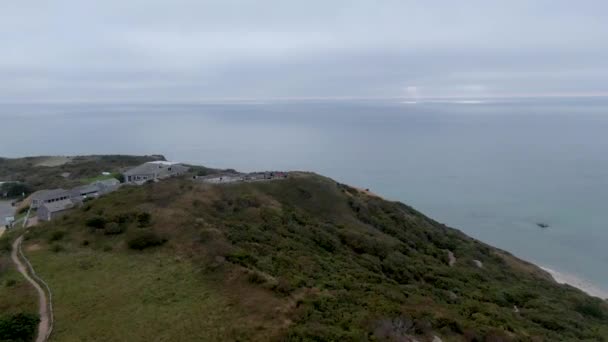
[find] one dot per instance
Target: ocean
(494, 169)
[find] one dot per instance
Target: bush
(124, 218)
(57, 235)
(97, 222)
(119, 176)
(143, 240)
(143, 219)
(14, 189)
(18, 327)
(114, 228)
(256, 278)
(241, 257)
(283, 287)
(5, 244)
(593, 308)
(57, 248)
(10, 283)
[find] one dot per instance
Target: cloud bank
(183, 50)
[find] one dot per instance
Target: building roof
(44, 195)
(86, 188)
(144, 169)
(59, 205)
(157, 168)
(162, 162)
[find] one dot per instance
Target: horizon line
(261, 100)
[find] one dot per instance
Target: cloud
(188, 50)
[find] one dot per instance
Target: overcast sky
(182, 50)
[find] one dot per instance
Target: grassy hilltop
(48, 172)
(302, 259)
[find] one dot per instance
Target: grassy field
(138, 297)
(303, 259)
(16, 295)
(90, 180)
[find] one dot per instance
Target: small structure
(51, 210)
(49, 196)
(80, 193)
(107, 185)
(153, 171)
(232, 177)
(221, 178)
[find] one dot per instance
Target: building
(80, 193)
(153, 171)
(49, 196)
(107, 185)
(51, 210)
(221, 178)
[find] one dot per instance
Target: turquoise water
(493, 169)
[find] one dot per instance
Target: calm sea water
(493, 170)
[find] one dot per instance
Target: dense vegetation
(19, 327)
(300, 259)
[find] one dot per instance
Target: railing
(25, 219)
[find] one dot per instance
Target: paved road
(6, 210)
(44, 325)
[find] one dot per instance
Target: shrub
(241, 257)
(256, 278)
(143, 219)
(283, 287)
(57, 235)
(143, 240)
(124, 218)
(18, 327)
(119, 176)
(593, 308)
(114, 228)
(395, 267)
(10, 283)
(15, 189)
(325, 240)
(57, 248)
(5, 244)
(247, 201)
(23, 210)
(97, 222)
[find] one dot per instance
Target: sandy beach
(572, 280)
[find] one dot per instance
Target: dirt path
(452, 258)
(44, 326)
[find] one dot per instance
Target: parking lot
(6, 210)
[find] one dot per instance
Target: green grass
(90, 180)
(16, 294)
(153, 296)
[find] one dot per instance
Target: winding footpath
(44, 327)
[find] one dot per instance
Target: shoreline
(574, 281)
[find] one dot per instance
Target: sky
(198, 50)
